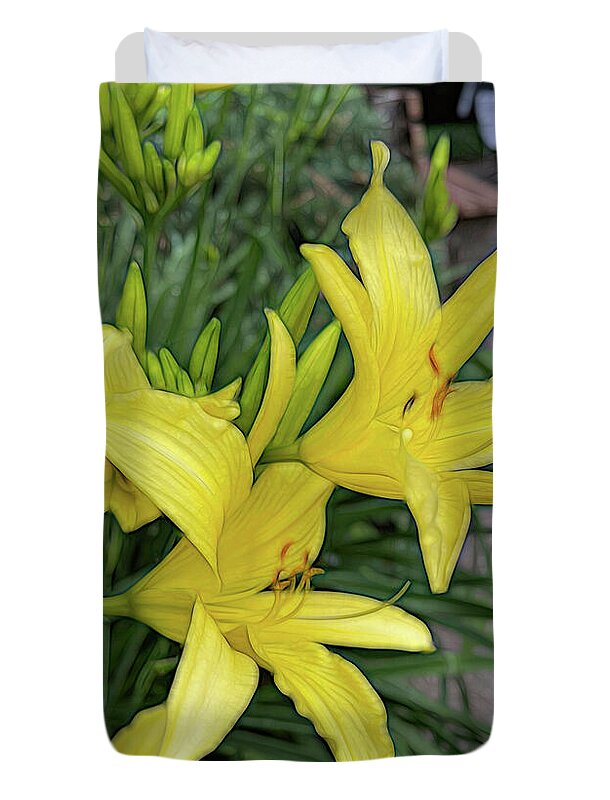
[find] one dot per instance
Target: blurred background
(294, 161)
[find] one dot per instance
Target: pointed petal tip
(439, 584)
(381, 158)
(309, 251)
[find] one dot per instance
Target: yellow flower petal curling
(192, 466)
(345, 709)
(263, 605)
(282, 371)
(404, 428)
(211, 689)
(129, 505)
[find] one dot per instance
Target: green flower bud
(154, 169)
(155, 371)
(131, 311)
(158, 102)
(180, 104)
(105, 114)
(169, 177)
(144, 94)
(294, 311)
(312, 369)
(150, 198)
(184, 383)
(181, 169)
(126, 132)
(439, 213)
(193, 139)
(202, 364)
(207, 160)
(119, 180)
(170, 368)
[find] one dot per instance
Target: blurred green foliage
(294, 161)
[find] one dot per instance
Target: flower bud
(193, 139)
(131, 311)
(155, 371)
(154, 169)
(180, 104)
(170, 368)
(126, 132)
(312, 369)
(202, 364)
(295, 311)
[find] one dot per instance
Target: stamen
(306, 577)
(284, 551)
(287, 592)
(382, 604)
(272, 613)
(434, 363)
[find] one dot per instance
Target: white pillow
(419, 58)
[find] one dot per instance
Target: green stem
(152, 232)
(182, 304)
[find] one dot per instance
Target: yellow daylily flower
(260, 611)
(403, 428)
(167, 453)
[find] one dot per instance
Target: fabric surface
(297, 294)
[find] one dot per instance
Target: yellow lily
(403, 428)
(260, 611)
(167, 454)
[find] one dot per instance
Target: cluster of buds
(153, 147)
(166, 373)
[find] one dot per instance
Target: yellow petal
(397, 272)
(294, 311)
(164, 598)
(463, 436)
(346, 620)
(211, 689)
(345, 709)
(143, 736)
(350, 304)
(195, 468)
(280, 526)
(440, 505)
(480, 485)
(325, 445)
(131, 508)
(467, 318)
(366, 461)
(222, 403)
(168, 612)
(282, 369)
(312, 369)
(122, 370)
